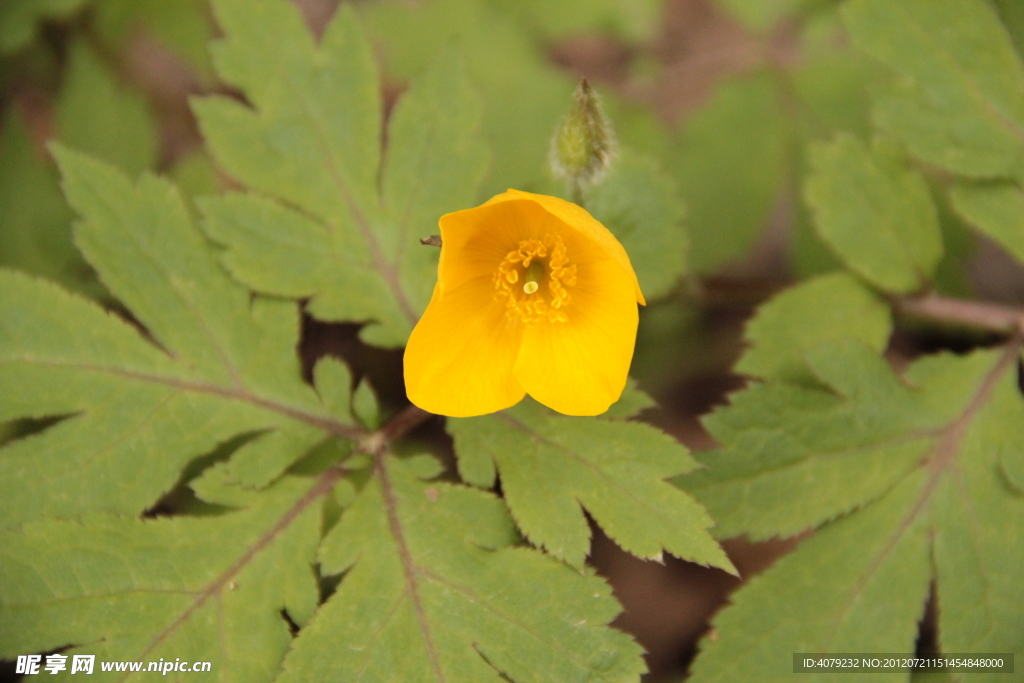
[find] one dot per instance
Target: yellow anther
(536, 262)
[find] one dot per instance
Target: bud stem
(576, 191)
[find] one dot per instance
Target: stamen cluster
(534, 306)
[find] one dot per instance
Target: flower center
(543, 268)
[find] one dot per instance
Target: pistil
(535, 261)
(533, 275)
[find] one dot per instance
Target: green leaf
(195, 175)
(35, 222)
(432, 591)
(222, 364)
(640, 204)
(630, 404)
(833, 88)
(196, 589)
(364, 405)
(808, 254)
(875, 214)
(825, 309)
(952, 275)
(727, 165)
(828, 89)
(184, 27)
(859, 585)
(1012, 13)
(333, 383)
(975, 513)
(553, 466)
(523, 96)
(18, 19)
(996, 209)
(958, 100)
(783, 442)
(97, 116)
(944, 515)
(261, 460)
(93, 113)
(1012, 460)
(311, 146)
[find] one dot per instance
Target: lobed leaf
(91, 112)
(552, 467)
(523, 96)
(318, 223)
(96, 116)
(197, 589)
(958, 99)
(825, 309)
(959, 248)
(136, 412)
(727, 164)
(433, 591)
(858, 585)
(640, 204)
(35, 223)
(631, 403)
(996, 209)
(833, 86)
(783, 442)
(207, 369)
(875, 214)
(946, 516)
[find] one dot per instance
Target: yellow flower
(533, 296)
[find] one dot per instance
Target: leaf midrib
(409, 569)
(656, 512)
(324, 485)
(383, 267)
(327, 424)
(980, 396)
(170, 278)
(412, 571)
(942, 458)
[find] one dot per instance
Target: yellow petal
(460, 355)
(579, 220)
(477, 240)
(579, 367)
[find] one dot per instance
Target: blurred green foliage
(853, 153)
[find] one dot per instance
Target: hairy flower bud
(584, 141)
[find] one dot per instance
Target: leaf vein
(327, 424)
(409, 568)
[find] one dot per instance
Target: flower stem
(404, 422)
